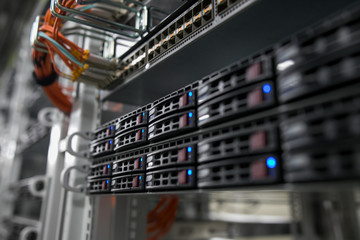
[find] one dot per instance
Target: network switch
(188, 23)
(99, 185)
(263, 169)
(131, 139)
(172, 125)
(242, 102)
(225, 6)
(193, 19)
(171, 179)
(128, 183)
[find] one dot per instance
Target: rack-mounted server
(289, 113)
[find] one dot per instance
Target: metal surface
(55, 163)
(332, 215)
(119, 218)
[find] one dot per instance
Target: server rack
(148, 158)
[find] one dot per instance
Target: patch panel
(171, 179)
(263, 169)
(317, 124)
(132, 121)
(325, 162)
(179, 100)
(104, 132)
(256, 137)
(131, 139)
(100, 170)
(102, 148)
(176, 123)
(129, 183)
(246, 72)
(135, 62)
(223, 5)
(129, 165)
(241, 102)
(171, 157)
(324, 56)
(195, 18)
(99, 185)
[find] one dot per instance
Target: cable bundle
(162, 217)
(49, 35)
(48, 41)
(46, 77)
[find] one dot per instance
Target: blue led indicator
(110, 141)
(189, 172)
(271, 162)
(107, 181)
(189, 149)
(143, 130)
(143, 114)
(190, 114)
(266, 88)
(141, 159)
(108, 166)
(190, 94)
(139, 177)
(112, 128)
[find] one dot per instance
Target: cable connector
(86, 54)
(77, 72)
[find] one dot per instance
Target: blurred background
(32, 144)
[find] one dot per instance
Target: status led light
(139, 177)
(266, 88)
(189, 172)
(271, 162)
(142, 130)
(110, 142)
(141, 159)
(190, 94)
(189, 149)
(108, 166)
(111, 128)
(190, 114)
(107, 181)
(143, 114)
